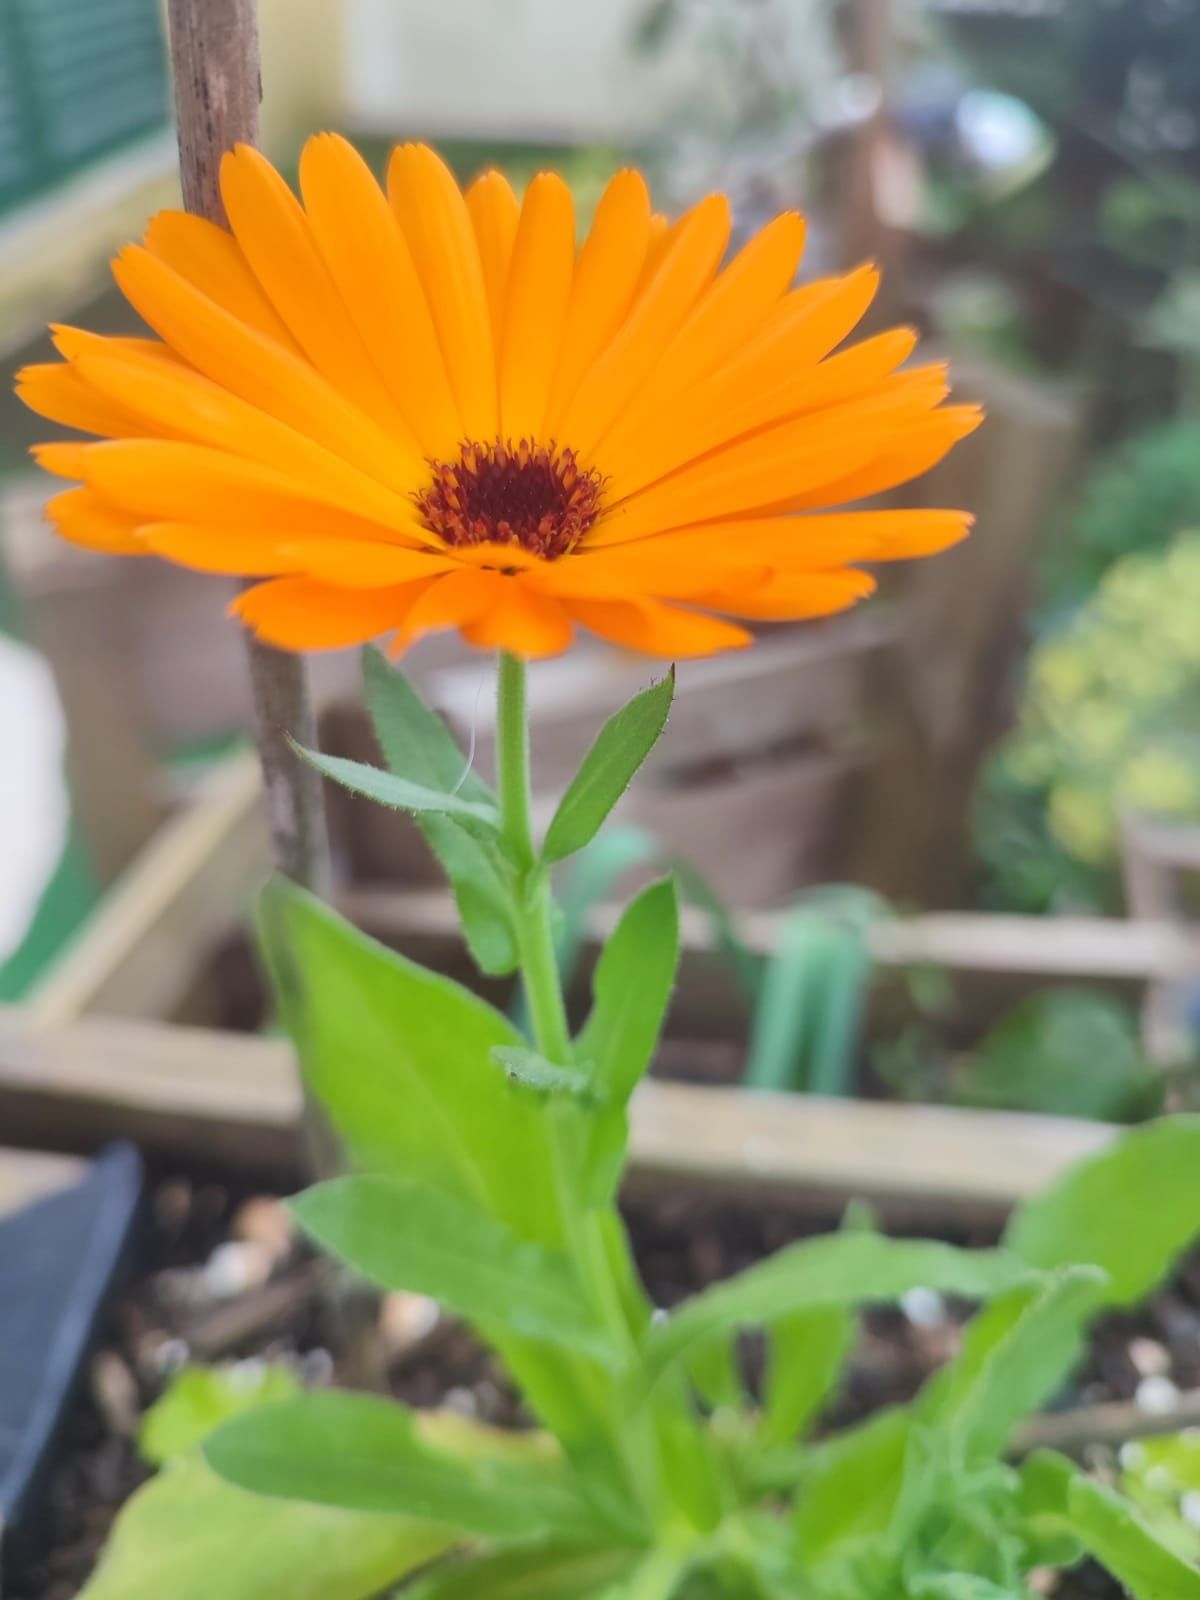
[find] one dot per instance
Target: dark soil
(181, 1308)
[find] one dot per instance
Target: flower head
(432, 409)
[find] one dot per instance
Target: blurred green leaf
(1113, 1532)
(405, 1235)
(198, 1399)
(1130, 1210)
(360, 1453)
(846, 1269)
(401, 1058)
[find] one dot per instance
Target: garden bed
(206, 1235)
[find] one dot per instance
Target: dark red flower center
(530, 495)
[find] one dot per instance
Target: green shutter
(78, 79)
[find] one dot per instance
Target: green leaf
(190, 1536)
(805, 1356)
(623, 743)
(631, 992)
(405, 1235)
(401, 794)
(1112, 1531)
(846, 1269)
(1131, 1209)
(480, 893)
(360, 1453)
(851, 1489)
(1016, 1354)
(532, 1071)
(402, 1060)
(416, 743)
(547, 1572)
(199, 1399)
(961, 1586)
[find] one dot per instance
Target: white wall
(536, 69)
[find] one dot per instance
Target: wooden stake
(218, 87)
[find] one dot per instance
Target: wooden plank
(192, 1095)
(1059, 947)
(141, 950)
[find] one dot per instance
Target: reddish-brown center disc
(530, 495)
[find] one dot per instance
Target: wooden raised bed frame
(89, 1056)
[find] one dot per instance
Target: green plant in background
(486, 1166)
(1135, 501)
(1162, 1478)
(1063, 1052)
(1108, 724)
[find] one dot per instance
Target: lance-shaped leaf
(631, 992)
(846, 1269)
(1130, 1210)
(405, 1235)
(401, 794)
(543, 1572)
(623, 743)
(401, 1058)
(418, 745)
(361, 1453)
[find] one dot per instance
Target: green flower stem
(535, 933)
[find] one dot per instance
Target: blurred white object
(509, 69)
(35, 810)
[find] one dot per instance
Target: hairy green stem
(535, 932)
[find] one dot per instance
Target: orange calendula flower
(430, 409)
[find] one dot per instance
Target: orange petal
(64, 459)
(82, 517)
(366, 565)
(373, 268)
(521, 621)
(57, 392)
(209, 257)
(212, 416)
(276, 239)
(433, 216)
(495, 212)
(539, 284)
(728, 314)
(304, 614)
(716, 414)
(687, 268)
(659, 630)
(248, 552)
(605, 277)
(794, 596)
(254, 367)
(167, 481)
(913, 452)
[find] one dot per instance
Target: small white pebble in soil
(246, 1377)
(1131, 1455)
(659, 1316)
(1157, 1396)
(172, 1354)
(235, 1267)
(924, 1308)
(405, 1320)
(1150, 1359)
(316, 1368)
(1043, 1580)
(115, 1392)
(265, 1221)
(1189, 1508)
(461, 1401)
